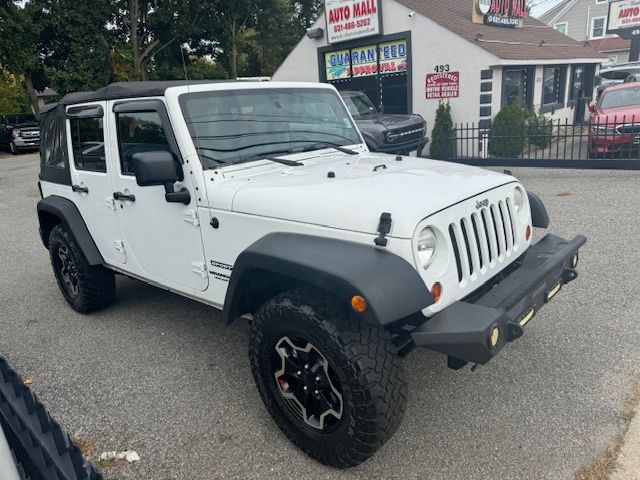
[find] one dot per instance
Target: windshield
(621, 98)
(235, 126)
(22, 118)
(359, 105)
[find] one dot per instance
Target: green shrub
(539, 130)
(508, 132)
(443, 136)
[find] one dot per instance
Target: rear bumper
(464, 329)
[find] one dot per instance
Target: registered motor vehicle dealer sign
(349, 19)
(443, 85)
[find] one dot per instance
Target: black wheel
(334, 385)
(85, 287)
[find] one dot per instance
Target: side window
(87, 142)
(139, 132)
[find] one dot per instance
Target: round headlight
(426, 246)
(518, 199)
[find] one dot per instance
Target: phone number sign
(349, 19)
(443, 85)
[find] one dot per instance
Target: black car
(385, 132)
(19, 132)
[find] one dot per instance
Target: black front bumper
(463, 330)
(401, 148)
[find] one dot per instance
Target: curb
(628, 463)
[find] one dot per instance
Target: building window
(562, 27)
(517, 83)
(598, 27)
(553, 81)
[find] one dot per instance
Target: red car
(614, 127)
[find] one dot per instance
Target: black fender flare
(54, 210)
(539, 214)
(391, 286)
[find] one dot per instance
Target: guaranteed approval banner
(349, 19)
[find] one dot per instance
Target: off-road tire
(41, 449)
(365, 362)
(96, 285)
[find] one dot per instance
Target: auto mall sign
(349, 19)
(624, 17)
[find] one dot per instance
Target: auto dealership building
(408, 55)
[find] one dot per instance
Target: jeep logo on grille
(482, 203)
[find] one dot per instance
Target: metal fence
(613, 143)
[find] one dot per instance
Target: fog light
(358, 303)
(574, 260)
(527, 233)
(436, 292)
(494, 337)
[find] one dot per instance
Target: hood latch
(384, 227)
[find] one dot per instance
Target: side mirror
(155, 168)
(160, 168)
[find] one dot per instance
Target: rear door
(92, 188)
(162, 240)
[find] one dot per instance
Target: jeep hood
(351, 192)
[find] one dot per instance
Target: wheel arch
(55, 210)
(280, 261)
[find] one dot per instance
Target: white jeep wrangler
(262, 200)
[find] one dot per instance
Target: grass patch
(602, 467)
(85, 444)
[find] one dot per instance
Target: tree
(19, 35)
(13, 95)
(508, 133)
(443, 137)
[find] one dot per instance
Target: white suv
(262, 200)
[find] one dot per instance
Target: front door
(92, 190)
(162, 240)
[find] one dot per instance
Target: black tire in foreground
(333, 384)
(85, 287)
(42, 450)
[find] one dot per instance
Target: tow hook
(514, 331)
(568, 275)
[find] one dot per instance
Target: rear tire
(85, 287)
(362, 393)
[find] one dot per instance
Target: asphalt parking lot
(162, 375)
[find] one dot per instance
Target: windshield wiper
(337, 146)
(284, 161)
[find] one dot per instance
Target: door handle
(123, 196)
(79, 189)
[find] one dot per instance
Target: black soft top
(118, 90)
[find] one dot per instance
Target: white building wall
(437, 47)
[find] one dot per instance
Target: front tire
(85, 287)
(333, 384)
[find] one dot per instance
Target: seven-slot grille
(483, 238)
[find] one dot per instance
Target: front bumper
(464, 329)
(400, 148)
(26, 143)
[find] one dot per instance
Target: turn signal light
(436, 292)
(527, 233)
(358, 303)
